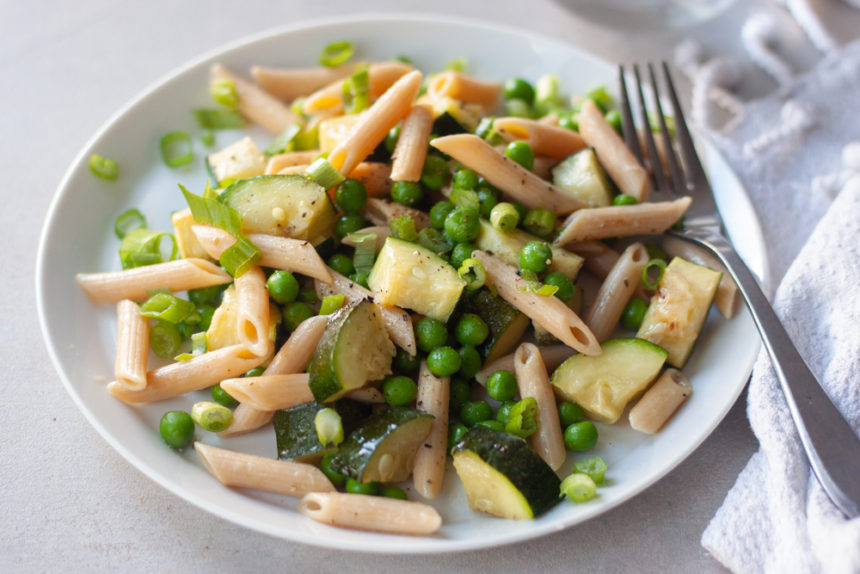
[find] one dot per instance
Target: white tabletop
(69, 501)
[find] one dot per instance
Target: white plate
(78, 236)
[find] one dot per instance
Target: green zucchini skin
(398, 431)
(506, 323)
(296, 435)
(511, 456)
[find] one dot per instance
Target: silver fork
(830, 443)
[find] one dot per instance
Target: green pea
(470, 361)
(408, 193)
(463, 225)
(342, 264)
(349, 223)
(222, 397)
(502, 385)
(540, 221)
(355, 487)
(211, 416)
(360, 277)
(351, 195)
(405, 363)
(205, 312)
(580, 436)
(613, 117)
(206, 295)
(624, 199)
(399, 391)
(519, 108)
(334, 476)
(295, 313)
(430, 333)
(474, 412)
(391, 138)
(460, 253)
(460, 394)
(536, 256)
(465, 179)
(394, 492)
(176, 428)
(503, 414)
(283, 286)
(455, 433)
(569, 413)
(165, 339)
(471, 330)
(308, 295)
(633, 314)
(444, 361)
(566, 288)
(495, 425)
(439, 212)
(568, 123)
(520, 89)
(487, 200)
(255, 372)
(521, 209)
(435, 172)
(521, 152)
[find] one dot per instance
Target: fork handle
(829, 441)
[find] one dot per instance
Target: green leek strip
(128, 221)
(284, 142)
(601, 97)
(329, 427)
(434, 240)
(403, 227)
(143, 247)
(521, 418)
(297, 107)
(223, 91)
(534, 285)
(332, 303)
(103, 167)
(324, 174)
(465, 199)
(210, 211)
(177, 149)
(365, 251)
(198, 347)
(209, 119)
(336, 53)
(457, 65)
(165, 307)
(240, 257)
(307, 139)
(646, 273)
(356, 91)
(473, 273)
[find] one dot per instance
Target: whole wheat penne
(375, 176)
(451, 84)
(241, 470)
(380, 75)
(246, 419)
(398, 324)
(365, 512)
(294, 169)
(727, 291)
(136, 284)
(533, 381)
(192, 375)
(429, 469)
(132, 346)
(290, 159)
(270, 392)
(381, 212)
(286, 253)
(375, 123)
(622, 221)
(407, 161)
(507, 175)
(295, 354)
(549, 312)
(253, 317)
(256, 105)
(660, 402)
(369, 395)
(381, 232)
(543, 165)
(552, 355)
(619, 162)
(616, 290)
(599, 257)
(548, 140)
(290, 83)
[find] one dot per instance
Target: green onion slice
(457, 65)
(540, 222)
(177, 149)
(209, 119)
(284, 142)
(128, 221)
(166, 307)
(356, 91)
(594, 467)
(142, 247)
(329, 426)
(434, 240)
(473, 273)
(336, 53)
(240, 257)
(521, 418)
(504, 217)
(211, 416)
(647, 281)
(579, 487)
(365, 251)
(207, 138)
(403, 227)
(324, 173)
(223, 91)
(332, 303)
(103, 167)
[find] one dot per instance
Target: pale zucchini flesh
(582, 175)
(507, 247)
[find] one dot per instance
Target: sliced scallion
(164, 339)
(465, 199)
(240, 257)
(647, 280)
(365, 251)
(456, 65)
(207, 138)
(223, 91)
(328, 426)
(166, 307)
(324, 173)
(434, 240)
(283, 143)
(403, 227)
(332, 303)
(177, 149)
(336, 53)
(473, 273)
(142, 247)
(128, 221)
(356, 91)
(209, 119)
(210, 211)
(103, 167)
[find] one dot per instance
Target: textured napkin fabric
(798, 155)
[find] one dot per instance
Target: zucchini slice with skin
(506, 323)
(296, 434)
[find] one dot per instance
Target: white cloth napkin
(798, 155)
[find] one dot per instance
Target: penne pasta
(620, 284)
(132, 346)
(136, 284)
(549, 312)
(533, 381)
(290, 83)
(294, 255)
(727, 291)
(660, 402)
(451, 84)
(381, 212)
(256, 105)
(507, 175)
(241, 470)
(277, 163)
(253, 316)
(622, 166)
(407, 161)
(295, 354)
(599, 257)
(375, 123)
(552, 355)
(365, 512)
(375, 176)
(429, 469)
(192, 375)
(246, 419)
(549, 140)
(270, 392)
(329, 99)
(622, 221)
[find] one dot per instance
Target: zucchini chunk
(604, 384)
(582, 175)
(507, 247)
(679, 308)
(296, 434)
(237, 161)
(287, 205)
(354, 350)
(383, 448)
(408, 275)
(502, 476)
(507, 324)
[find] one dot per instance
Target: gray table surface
(71, 503)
